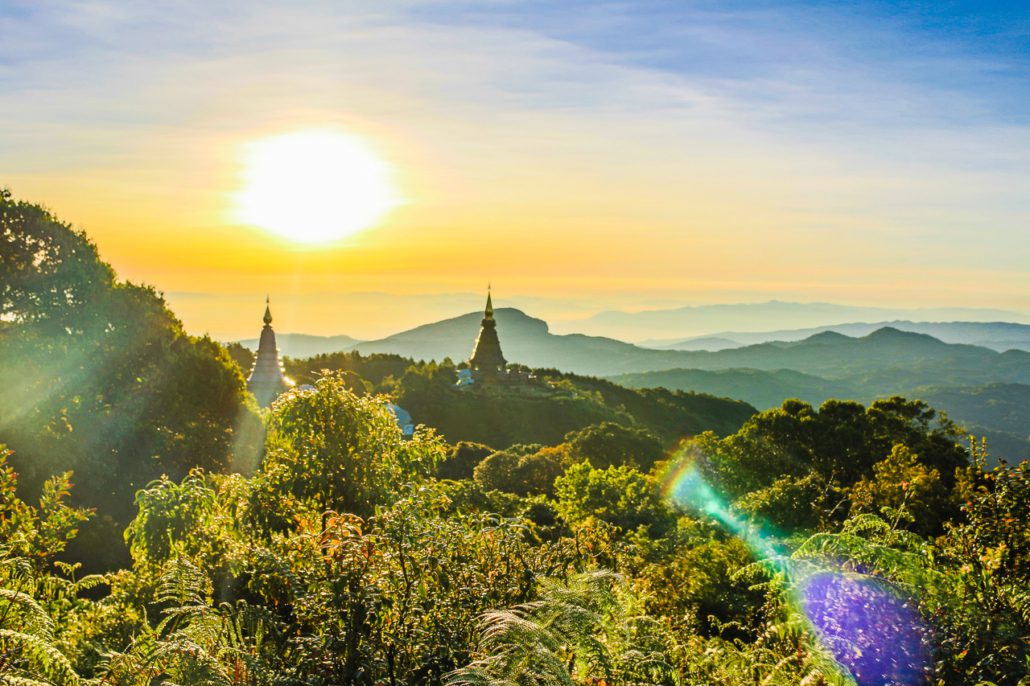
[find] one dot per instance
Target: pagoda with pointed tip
(487, 360)
(267, 378)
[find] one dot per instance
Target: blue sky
(872, 153)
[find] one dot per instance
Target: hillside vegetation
(98, 377)
(883, 363)
(843, 544)
(880, 363)
(538, 410)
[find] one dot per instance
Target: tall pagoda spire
(487, 358)
(267, 379)
(489, 313)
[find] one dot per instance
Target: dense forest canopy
(598, 535)
(99, 377)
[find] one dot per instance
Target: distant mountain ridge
(524, 340)
(705, 320)
(305, 345)
(887, 354)
(999, 336)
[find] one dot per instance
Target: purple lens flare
(871, 631)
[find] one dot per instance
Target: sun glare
(314, 186)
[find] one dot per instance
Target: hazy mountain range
(1000, 336)
(525, 340)
(983, 388)
(706, 320)
(305, 345)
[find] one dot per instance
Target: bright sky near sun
(583, 155)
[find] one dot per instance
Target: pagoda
(487, 360)
(267, 379)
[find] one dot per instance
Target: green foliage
(462, 459)
(841, 442)
(255, 580)
(38, 598)
(343, 452)
(525, 474)
(37, 533)
(901, 483)
(980, 618)
(621, 496)
(995, 531)
(243, 357)
(170, 516)
(608, 445)
(587, 629)
(498, 472)
(794, 503)
(100, 378)
(547, 408)
(377, 369)
(49, 272)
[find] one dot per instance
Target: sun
(314, 186)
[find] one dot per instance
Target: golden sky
(575, 171)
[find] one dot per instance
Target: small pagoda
(267, 378)
(487, 361)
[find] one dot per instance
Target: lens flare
(873, 633)
(870, 630)
(687, 488)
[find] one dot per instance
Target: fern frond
(29, 614)
(42, 658)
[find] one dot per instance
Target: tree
(343, 452)
(462, 460)
(35, 602)
(609, 444)
(523, 474)
(243, 357)
(99, 377)
(915, 492)
(841, 442)
(50, 274)
(618, 495)
(497, 472)
(794, 504)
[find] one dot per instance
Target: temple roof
(486, 355)
(267, 378)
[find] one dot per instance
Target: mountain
(892, 358)
(763, 389)
(704, 320)
(709, 343)
(524, 340)
(887, 359)
(999, 336)
(305, 345)
(826, 364)
(999, 411)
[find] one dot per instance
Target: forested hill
(886, 356)
(982, 389)
(542, 408)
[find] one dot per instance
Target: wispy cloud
(812, 145)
